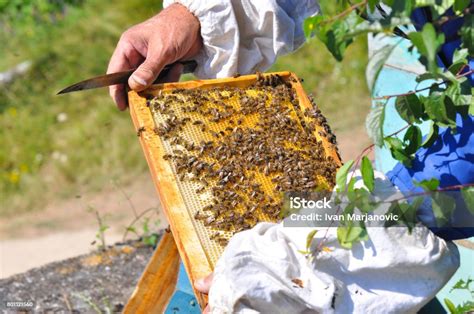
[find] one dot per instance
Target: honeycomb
(235, 150)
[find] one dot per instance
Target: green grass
(43, 159)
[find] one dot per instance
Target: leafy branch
(467, 306)
(353, 7)
(130, 228)
(456, 187)
(103, 227)
(444, 19)
(449, 96)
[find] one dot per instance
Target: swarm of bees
(243, 147)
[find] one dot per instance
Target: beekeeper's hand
(169, 36)
(203, 285)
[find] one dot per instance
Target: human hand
(171, 35)
(203, 285)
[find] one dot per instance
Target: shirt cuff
(218, 57)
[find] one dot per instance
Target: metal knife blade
(122, 78)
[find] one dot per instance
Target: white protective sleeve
(393, 272)
(245, 36)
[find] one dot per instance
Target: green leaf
(374, 123)
(466, 307)
(372, 4)
(400, 7)
(304, 252)
(448, 76)
(413, 137)
(459, 60)
(467, 33)
(349, 209)
(341, 175)
(150, 240)
(428, 185)
(440, 110)
(417, 201)
(145, 226)
(443, 207)
(451, 111)
(351, 190)
(347, 235)
(394, 142)
(460, 5)
(410, 108)
(336, 36)
(406, 213)
(460, 92)
(468, 196)
(444, 76)
(409, 213)
(311, 23)
(460, 56)
(309, 239)
(402, 157)
(432, 136)
(393, 209)
(428, 43)
(335, 42)
(367, 173)
(362, 200)
(376, 63)
(428, 76)
(398, 152)
(451, 307)
(462, 285)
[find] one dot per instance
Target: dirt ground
(96, 282)
(65, 228)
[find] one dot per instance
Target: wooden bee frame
(191, 250)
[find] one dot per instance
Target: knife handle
(188, 67)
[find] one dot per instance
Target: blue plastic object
(451, 158)
(183, 299)
(451, 161)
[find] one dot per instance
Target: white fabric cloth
(245, 36)
(392, 272)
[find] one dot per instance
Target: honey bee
(280, 147)
(140, 130)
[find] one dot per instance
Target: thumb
(145, 74)
(204, 284)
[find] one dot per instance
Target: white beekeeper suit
(393, 272)
(244, 36)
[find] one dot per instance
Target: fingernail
(139, 80)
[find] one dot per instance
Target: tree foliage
(448, 95)
(16, 13)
